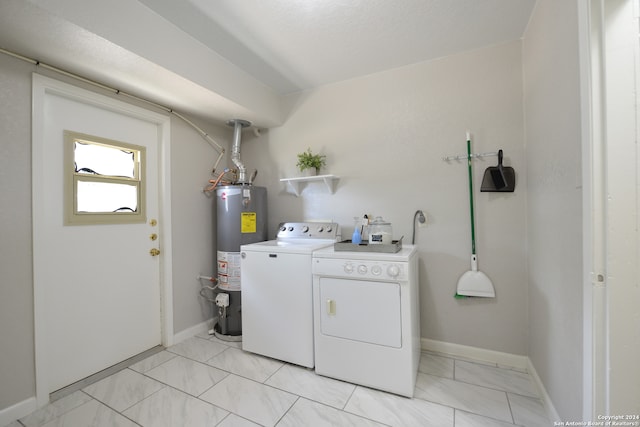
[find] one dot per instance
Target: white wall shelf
(296, 184)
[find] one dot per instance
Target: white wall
(554, 202)
(385, 136)
(17, 376)
(192, 227)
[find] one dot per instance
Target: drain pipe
(238, 125)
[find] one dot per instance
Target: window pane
(103, 160)
(106, 197)
(104, 181)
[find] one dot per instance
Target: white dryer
(277, 295)
(366, 317)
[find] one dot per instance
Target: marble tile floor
(204, 381)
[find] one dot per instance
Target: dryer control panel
(360, 269)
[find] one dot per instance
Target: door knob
(154, 252)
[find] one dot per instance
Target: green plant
(308, 160)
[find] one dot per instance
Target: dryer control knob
(305, 228)
(362, 269)
(348, 268)
(376, 270)
(393, 270)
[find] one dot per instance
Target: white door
(97, 287)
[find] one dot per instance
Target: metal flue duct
(238, 125)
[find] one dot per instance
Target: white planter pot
(310, 172)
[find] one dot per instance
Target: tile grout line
(298, 397)
(188, 394)
(537, 397)
(510, 409)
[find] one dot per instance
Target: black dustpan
(499, 178)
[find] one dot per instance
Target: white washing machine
(366, 317)
(277, 291)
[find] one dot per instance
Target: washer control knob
(283, 228)
(320, 229)
(393, 270)
(348, 268)
(376, 270)
(329, 229)
(290, 228)
(362, 269)
(305, 228)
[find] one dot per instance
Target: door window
(104, 181)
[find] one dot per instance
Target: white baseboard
(17, 411)
(476, 353)
(498, 358)
(546, 400)
(193, 330)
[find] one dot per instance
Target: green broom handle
(473, 231)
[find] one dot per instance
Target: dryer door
(361, 310)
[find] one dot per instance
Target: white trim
(595, 394)
(586, 92)
(546, 399)
(193, 331)
(166, 267)
(44, 85)
(17, 411)
(475, 353)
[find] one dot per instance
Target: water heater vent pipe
(238, 125)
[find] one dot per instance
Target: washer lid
(301, 246)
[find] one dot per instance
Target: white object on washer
(277, 292)
(366, 318)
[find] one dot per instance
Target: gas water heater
(241, 213)
(242, 219)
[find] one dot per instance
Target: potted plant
(311, 162)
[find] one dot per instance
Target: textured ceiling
(220, 59)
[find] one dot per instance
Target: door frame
(598, 248)
(591, 92)
(42, 86)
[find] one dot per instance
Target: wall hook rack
(496, 178)
(473, 156)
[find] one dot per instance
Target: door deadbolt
(154, 252)
(153, 222)
(153, 236)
